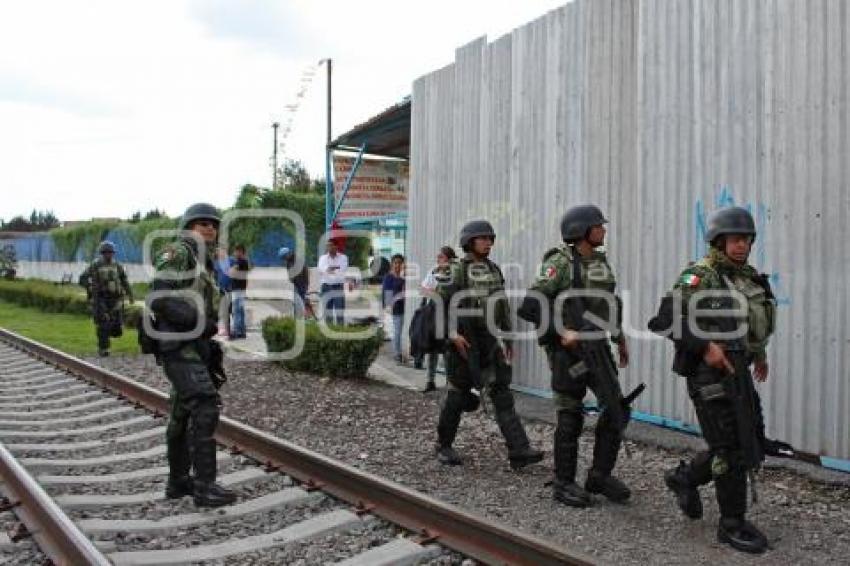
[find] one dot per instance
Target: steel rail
(56, 535)
(431, 519)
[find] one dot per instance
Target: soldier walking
(106, 285)
(580, 360)
(193, 365)
(477, 360)
(715, 355)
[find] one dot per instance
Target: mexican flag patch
(690, 280)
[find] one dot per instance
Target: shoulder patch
(690, 280)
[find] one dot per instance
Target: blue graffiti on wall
(723, 199)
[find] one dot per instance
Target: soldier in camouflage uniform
(717, 368)
(192, 364)
(106, 285)
(580, 264)
(476, 359)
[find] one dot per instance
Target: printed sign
(379, 187)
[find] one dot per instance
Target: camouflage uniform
(194, 398)
(485, 368)
(726, 404)
(570, 376)
(106, 284)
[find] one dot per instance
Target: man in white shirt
(332, 269)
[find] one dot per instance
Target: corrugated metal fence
(661, 112)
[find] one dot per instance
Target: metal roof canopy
(387, 134)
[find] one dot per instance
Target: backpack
(423, 330)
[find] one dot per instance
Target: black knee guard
(567, 433)
(203, 421)
(450, 413)
(607, 444)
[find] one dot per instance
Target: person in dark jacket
(428, 288)
(300, 282)
(392, 297)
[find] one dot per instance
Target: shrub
(322, 355)
(51, 297)
(81, 240)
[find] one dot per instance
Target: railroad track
(82, 462)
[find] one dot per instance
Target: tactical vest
(484, 279)
(106, 279)
(204, 284)
(596, 275)
(761, 312)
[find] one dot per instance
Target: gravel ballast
(390, 432)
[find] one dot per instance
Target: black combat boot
(606, 446)
(430, 386)
(179, 464)
(520, 452)
(680, 482)
(206, 492)
(448, 456)
(570, 494)
(179, 487)
(212, 495)
(565, 488)
(447, 427)
(607, 485)
(741, 535)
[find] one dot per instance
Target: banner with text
(379, 187)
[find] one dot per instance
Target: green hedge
(322, 355)
(52, 297)
(85, 237)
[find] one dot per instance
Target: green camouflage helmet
(199, 211)
(731, 220)
(475, 229)
(579, 219)
(106, 246)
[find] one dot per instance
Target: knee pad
(610, 423)
(205, 418)
(503, 399)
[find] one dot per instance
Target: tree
(154, 214)
(39, 221)
(295, 176)
(250, 196)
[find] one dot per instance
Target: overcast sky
(107, 107)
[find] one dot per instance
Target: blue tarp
(40, 247)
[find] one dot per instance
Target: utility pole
(328, 166)
(275, 126)
(329, 99)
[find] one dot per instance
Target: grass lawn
(72, 333)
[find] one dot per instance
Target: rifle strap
(753, 491)
(575, 260)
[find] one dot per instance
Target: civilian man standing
(332, 268)
(238, 284)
